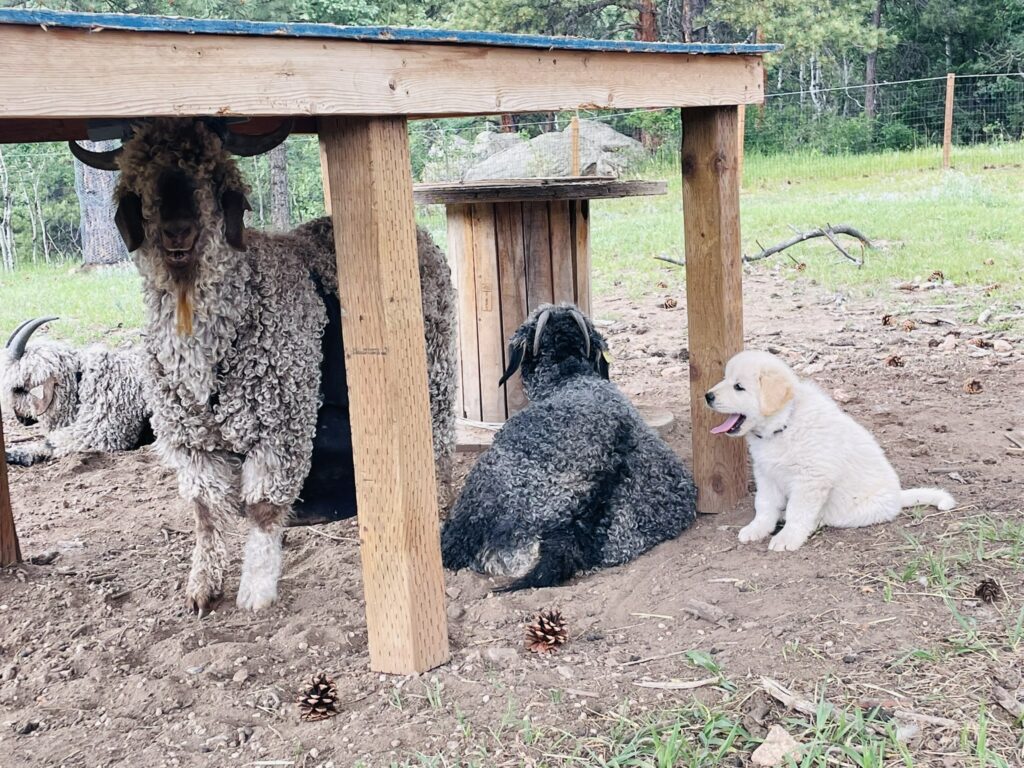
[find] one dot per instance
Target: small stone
(776, 747)
(842, 396)
(314, 753)
(240, 676)
(565, 671)
(501, 655)
(1002, 345)
(27, 727)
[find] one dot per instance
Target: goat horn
(105, 161)
(19, 339)
(541, 322)
(249, 146)
(578, 317)
(14, 333)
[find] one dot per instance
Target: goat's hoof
(203, 605)
(255, 594)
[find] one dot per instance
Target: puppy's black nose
(710, 397)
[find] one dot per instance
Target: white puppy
(813, 464)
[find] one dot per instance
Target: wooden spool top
(517, 190)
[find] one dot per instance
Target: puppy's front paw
(787, 541)
(754, 531)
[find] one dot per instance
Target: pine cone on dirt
(888, 320)
(972, 387)
(988, 591)
(909, 325)
(319, 700)
(894, 361)
(547, 632)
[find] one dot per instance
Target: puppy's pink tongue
(727, 425)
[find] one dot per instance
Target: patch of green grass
(922, 218)
(90, 304)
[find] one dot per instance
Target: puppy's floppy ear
(129, 221)
(234, 205)
(516, 350)
(775, 390)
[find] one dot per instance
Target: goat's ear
(515, 359)
(234, 205)
(129, 221)
(603, 359)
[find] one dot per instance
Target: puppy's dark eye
(738, 388)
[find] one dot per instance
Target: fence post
(574, 132)
(947, 129)
(741, 128)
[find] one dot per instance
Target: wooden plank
(10, 550)
(581, 253)
(107, 21)
(537, 248)
(583, 188)
(490, 341)
(512, 276)
(76, 73)
(714, 303)
(563, 274)
(947, 126)
(741, 132)
(460, 257)
(378, 276)
(574, 147)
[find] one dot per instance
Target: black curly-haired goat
(576, 480)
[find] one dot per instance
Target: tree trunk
(6, 211)
(687, 21)
(101, 242)
(871, 65)
(647, 22)
(280, 202)
(508, 123)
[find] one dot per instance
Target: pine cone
(909, 325)
(547, 632)
(936, 276)
(972, 387)
(888, 320)
(894, 361)
(988, 591)
(319, 700)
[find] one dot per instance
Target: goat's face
(181, 195)
(38, 381)
(555, 342)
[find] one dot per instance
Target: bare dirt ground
(101, 666)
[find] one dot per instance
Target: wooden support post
(10, 551)
(714, 303)
(370, 182)
(574, 135)
(947, 128)
(741, 131)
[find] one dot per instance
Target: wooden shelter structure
(357, 88)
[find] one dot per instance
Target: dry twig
(827, 231)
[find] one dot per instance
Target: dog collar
(776, 433)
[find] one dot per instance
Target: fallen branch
(1008, 701)
(710, 613)
(670, 260)
(806, 707)
(677, 685)
(827, 232)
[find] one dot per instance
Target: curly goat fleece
(236, 401)
(94, 399)
(577, 479)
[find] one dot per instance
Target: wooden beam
(378, 274)
(714, 302)
(10, 551)
(76, 73)
(509, 190)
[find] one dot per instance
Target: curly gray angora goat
(250, 405)
(88, 400)
(574, 481)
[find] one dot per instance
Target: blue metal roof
(371, 34)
